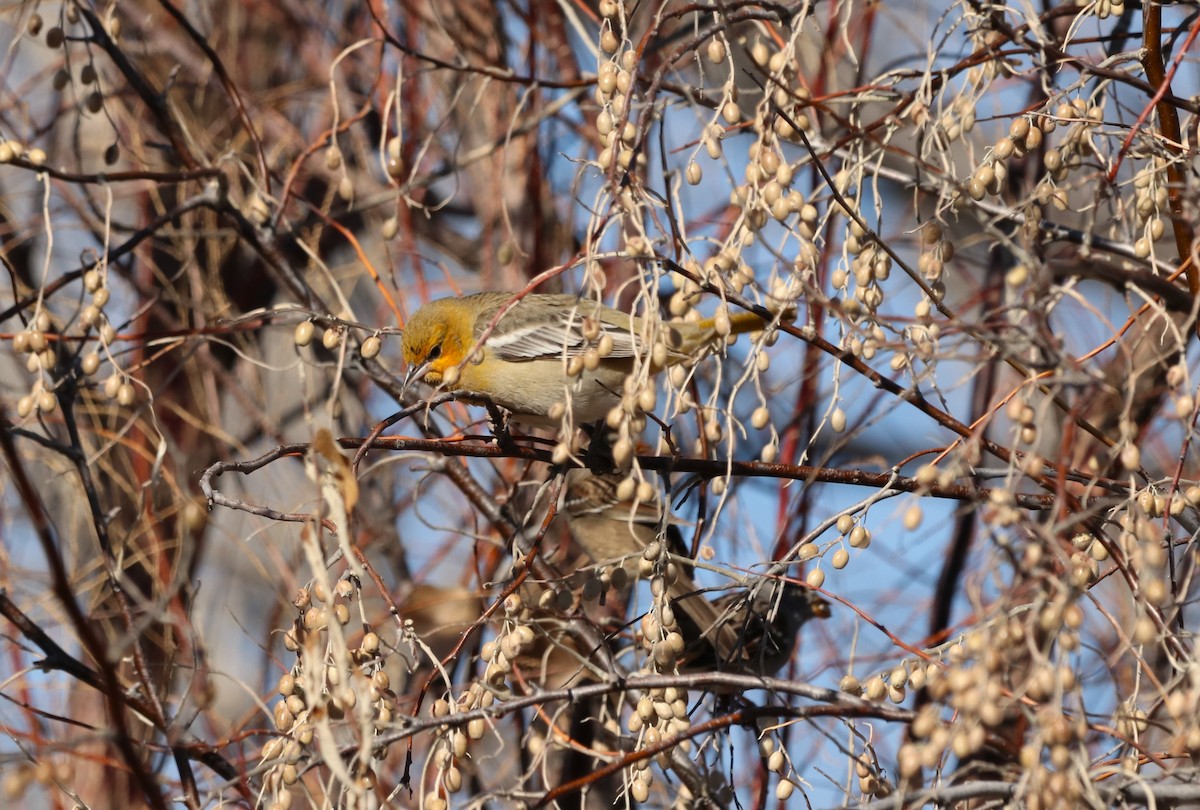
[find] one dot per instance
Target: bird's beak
(414, 373)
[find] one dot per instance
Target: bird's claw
(498, 422)
(599, 456)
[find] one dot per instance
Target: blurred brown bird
(608, 529)
(440, 614)
(739, 631)
(617, 532)
(763, 625)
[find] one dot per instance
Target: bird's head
(799, 604)
(436, 339)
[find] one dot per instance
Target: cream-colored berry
(837, 420)
(126, 394)
(304, 333)
(913, 517)
(760, 418)
(860, 537)
(645, 492)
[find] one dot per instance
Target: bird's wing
(528, 333)
(593, 495)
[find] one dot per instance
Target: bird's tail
(743, 322)
(685, 339)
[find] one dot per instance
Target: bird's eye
(435, 352)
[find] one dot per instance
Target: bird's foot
(498, 421)
(599, 455)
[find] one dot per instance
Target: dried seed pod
(837, 420)
(90, 363)
(126, 394)
(304, 333)
(370, 347)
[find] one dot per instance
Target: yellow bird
(532, 354)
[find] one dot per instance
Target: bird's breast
(531, 389)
